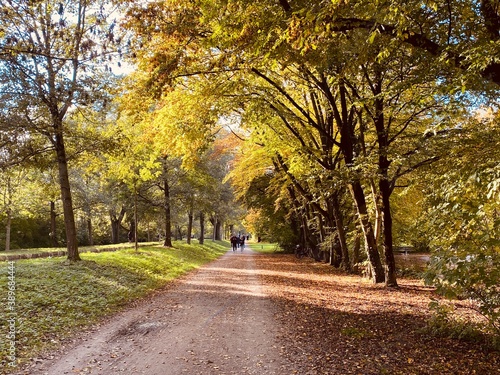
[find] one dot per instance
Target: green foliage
(268, 212)
(354, 332)
(469, 276)
(444, 322)
(54, 299)
(465, 223)
(408, 211)
(27, 232)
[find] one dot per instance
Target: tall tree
(52, 60)
(11, 182)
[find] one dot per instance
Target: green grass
(262, 247)
(81, 249)
(354, 332)
(53, 298)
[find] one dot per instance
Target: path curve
(217, 320)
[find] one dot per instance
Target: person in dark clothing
(234, 242)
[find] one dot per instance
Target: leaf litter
(333, 323)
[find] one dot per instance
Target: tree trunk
(304, 232)
(390, 263)
(131, 232)
(89, 230)
(67, 202)
(88, 213)
(53, 227)
(8, 229)
(202, 228)
(356, 248)
(298, 222)
(178, 233)
(217, 236)
(115, 225)
(8, 225)
(336, 257)
(166, 194)
(219, 231)
(378, 211)
(385, 189)
(371, 246)
(115, 231)
(136, 244)
(339, 223)
(190, 226)
(311, 239)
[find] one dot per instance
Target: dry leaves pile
(338, 324)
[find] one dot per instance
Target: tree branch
(490, 73)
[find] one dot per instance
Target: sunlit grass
(263, 247)
(81, 249)
(54, 298)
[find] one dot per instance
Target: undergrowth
(444, 322)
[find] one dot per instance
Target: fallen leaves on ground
(342, 324)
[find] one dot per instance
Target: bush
(463, 219)
(444, 322)
(469, 276)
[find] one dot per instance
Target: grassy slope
(53, 298)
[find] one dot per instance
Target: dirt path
(214, 321)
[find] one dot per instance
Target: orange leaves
(334, 323)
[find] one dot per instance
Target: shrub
(469, 276)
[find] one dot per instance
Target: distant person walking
(234, 242)
(242, 242)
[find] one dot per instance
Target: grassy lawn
(263, 247)
(53, 299)
(81, 249)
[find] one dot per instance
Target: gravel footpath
(216, 320)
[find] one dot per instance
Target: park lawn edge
(42, 252)
(264, 247)
(55, 299)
